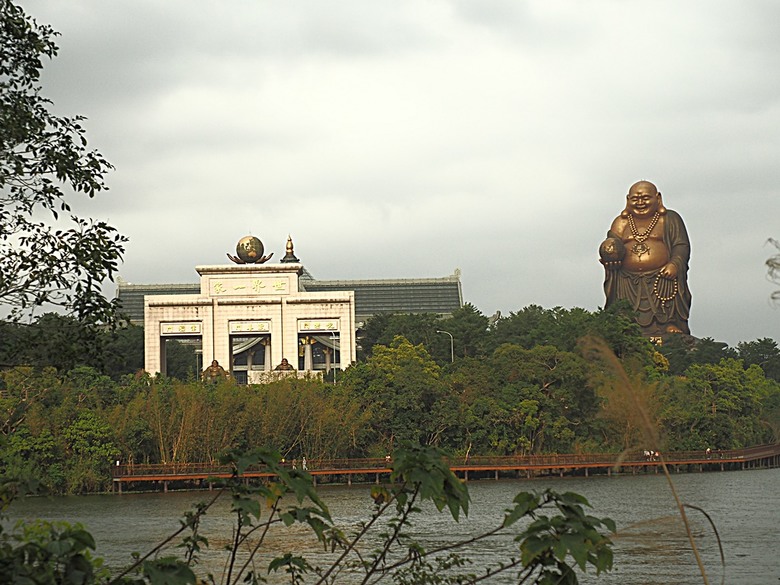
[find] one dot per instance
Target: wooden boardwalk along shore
(344, 470)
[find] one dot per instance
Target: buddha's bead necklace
(640, 248)
(646, 234)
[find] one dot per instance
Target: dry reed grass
(634, 397)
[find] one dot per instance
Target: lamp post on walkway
(452, 344)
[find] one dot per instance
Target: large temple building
(249, 315)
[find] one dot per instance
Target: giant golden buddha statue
(645, 257)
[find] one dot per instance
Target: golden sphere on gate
(250, 249)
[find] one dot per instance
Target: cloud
(408, 139)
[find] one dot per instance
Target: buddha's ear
(661, 208)
(624, 214)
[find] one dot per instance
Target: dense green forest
(73, 404)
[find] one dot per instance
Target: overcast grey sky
(409, 138)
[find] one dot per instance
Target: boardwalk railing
(766, 454)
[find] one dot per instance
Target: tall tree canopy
(46, 259)
(762, 352)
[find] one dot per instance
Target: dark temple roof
(403, 295)
(131, 296)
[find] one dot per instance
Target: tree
(416, 328)
(54, 341)
(717, 405)
(90, 450)
(763, 353)
(684, 351)
(12, 343)
(401, 385)
(63, 342)
(528, 327)
(562, 328)
(545, 392)
(122, 352)
(48, 260)
(469, 328)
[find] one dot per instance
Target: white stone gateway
(258, 312)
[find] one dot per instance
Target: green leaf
(609, 524)
(525, 502)
(577, 548)
(532, 547)
(168, 571)
(83, 538)
(291, 563)
(246, 507)
(573, 498)
(59, 548)
(560, 550)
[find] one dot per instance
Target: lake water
(650, 547)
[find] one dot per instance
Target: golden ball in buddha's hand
(612, 250)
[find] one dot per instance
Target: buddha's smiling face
(643, 199)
